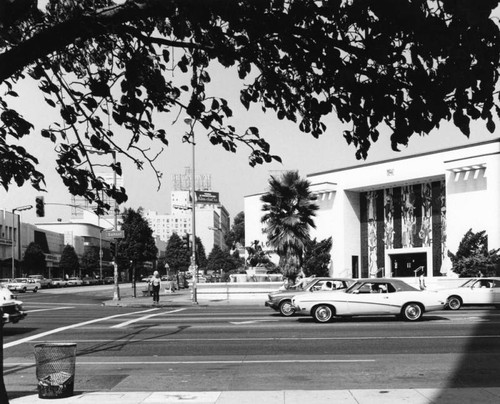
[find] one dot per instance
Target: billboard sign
(207, 197)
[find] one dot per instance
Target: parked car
(108, 280)
(75, 281)
(477, 291)
(369, 297)
(89, 280)
(12, 309)
(58, 282)
(23, 285)
(44, 282)
(281, 300)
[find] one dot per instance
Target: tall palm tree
(289, 211)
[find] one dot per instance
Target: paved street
(235, 347)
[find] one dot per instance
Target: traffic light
(185, 241)
(40, 206)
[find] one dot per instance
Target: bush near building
(473, 257)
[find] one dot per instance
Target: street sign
(115, 234)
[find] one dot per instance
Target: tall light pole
(193, 219)
(116, 289)
(18, 209)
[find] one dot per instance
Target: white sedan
(24, 285)
(477, 291)
(368, 297)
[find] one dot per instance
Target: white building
(392, 217)
(211, 219)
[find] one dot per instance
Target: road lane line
(163, 340)
(135, 320)
(208, 362)
(69, 327)
(53, 308)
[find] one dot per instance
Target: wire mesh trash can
(55, 369)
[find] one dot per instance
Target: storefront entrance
(406, 264)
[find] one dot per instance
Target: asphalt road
(218, 348)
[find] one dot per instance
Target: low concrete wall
(235, 290)
(258, 291)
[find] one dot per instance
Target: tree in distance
(138, 245)
(69, 263)
(406, 65)
(34, 259)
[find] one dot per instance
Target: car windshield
(468, 284)
(20, 280)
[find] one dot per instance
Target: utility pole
(193, 220)
(116, 289)
(19, 209)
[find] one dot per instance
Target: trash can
(55, 369)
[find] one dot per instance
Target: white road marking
(249, 322)
(69, 327)
(207, 362)
(163, 340)
(144, 318)
(49, 309)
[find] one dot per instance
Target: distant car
(281, 300)
(75, 281)
(477, 291)
(370, 297)
(44, 282)
(89, 280)
(58, 282)
(23, 285)
(108, 280)
(12, 309)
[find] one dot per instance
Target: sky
(231, 174)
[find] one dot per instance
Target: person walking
(156, 284)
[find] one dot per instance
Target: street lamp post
(18, 209)
(193, 212)
(116, 289)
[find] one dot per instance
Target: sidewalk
(410, 396)
(179, 298)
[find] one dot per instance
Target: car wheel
(412, 312)
(286, 308)
(454, 303)
(24, 290)
(323, 313)
(35, 290)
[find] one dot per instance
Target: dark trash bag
(55, 369)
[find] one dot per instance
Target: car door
(480, 292)
(369, 299)
(496, 291)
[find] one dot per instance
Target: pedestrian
(156, 284)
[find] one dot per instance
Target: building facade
(398, 217)
(212, 220)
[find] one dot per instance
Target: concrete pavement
(487, 395)
(395, 396)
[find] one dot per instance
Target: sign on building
(207, 197)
